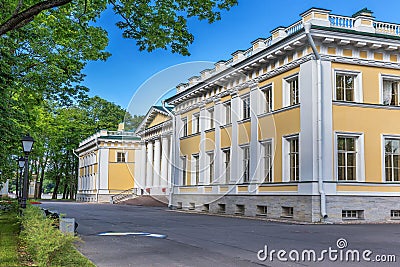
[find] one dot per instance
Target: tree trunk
(55, 191)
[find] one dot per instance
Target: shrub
(45, 243)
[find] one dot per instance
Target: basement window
(221, 208)
(206, 207)
(192, 206)
(261, 210)
(287, 212)
(239, 210)
(352, 214)
(179, 205)
(395, 214)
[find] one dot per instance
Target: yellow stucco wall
(159, 118)
(226, 135)
(190, 145)
(368, 188)
(276, 126)
(120, 176)
(210, 140)
(373, 122)
(244, 133)
(112, 156)
(370, 79)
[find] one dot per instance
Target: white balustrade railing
(341, 21)
(387, 28)
(295, 27)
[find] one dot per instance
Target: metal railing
(341, 21)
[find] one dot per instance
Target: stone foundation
(305, 208)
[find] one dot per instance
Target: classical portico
(153, 175)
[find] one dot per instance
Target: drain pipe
(172, 143)
(307, 27)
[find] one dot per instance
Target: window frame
(286, 157)
(196, 171)
(125, 157)
(384, 138)
(184, 170)
(264, 144)
(227, 168)
(210, 118)
(228, 115)
(392, 78)
(185, 127)
(246, 107)
(245, 167)
(358, 92)
(360, 160)
(287, 90)
(211, 165)
(267, 105)
(196, 123)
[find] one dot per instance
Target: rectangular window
(395, 214)
(262, 210)
(293, 90)
(183, 170)
(246, 107)
(391, 92)
(228, 116)
(347, 158)
(268, 99)
(121, 157)
(211, 118)
(196, 168)
(345, 87)
(227, 163)
(267, 159)
(246, 164)
(185, 127)
(196, 123)
(294, 159)
(392, 159)
(352, 214)
(287, 212)
(211, 164)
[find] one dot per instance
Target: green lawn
(9, 228)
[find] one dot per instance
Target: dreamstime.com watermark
(340, 253)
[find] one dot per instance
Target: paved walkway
(202, 240)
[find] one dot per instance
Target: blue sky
(128, 69)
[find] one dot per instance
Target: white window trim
(262, 102)
(195, 117)
(183, 170)
(126, 156)
(358, 87)
(383, 137)
(242, 97)
(285, 157)
(226, 178)
(209, 153)
(286, 89)
(263, 143)
(184, 122)
(242, 147)
(193, 169)
(210, 120)
(360, 177)
(382, 77)
(225, 104)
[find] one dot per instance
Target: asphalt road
(203, 240)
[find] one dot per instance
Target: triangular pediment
(156, 115)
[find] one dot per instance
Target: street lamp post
(27, 144)
(21, 165)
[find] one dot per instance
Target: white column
(202, 155)
(157, 163)
(219, 170)
(149, 172)
(164, 161)
(255, 146)
(142, 162)
(235, 150)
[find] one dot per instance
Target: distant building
(4, 189)
(106, 165)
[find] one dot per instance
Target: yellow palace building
(106, 165)
(303, 125)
